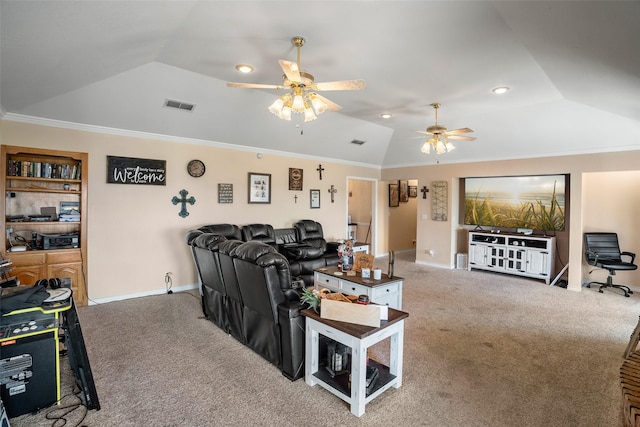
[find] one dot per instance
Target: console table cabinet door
(537, 262)
(477, 254)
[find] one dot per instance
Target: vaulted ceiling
(573, 68)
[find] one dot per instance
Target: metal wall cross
(424, 190)
(191, 200)
(320, 169)
(333, 191)
(295, 198)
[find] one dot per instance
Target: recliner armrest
(300, 252)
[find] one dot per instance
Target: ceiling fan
(303, 96)
(440, 136)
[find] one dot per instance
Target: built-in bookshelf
(45, 215)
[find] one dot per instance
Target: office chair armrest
(629, 254)
(592, 257)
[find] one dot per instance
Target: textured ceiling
(573, 68)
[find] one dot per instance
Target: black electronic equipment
(39, 218)
(28, 372)
(4, 419)
(58, 241)
(78, 358)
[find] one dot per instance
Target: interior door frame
(374, 210)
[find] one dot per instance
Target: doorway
(361, 211)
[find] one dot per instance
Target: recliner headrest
(230, 231)
(251, 251)
(208, 241)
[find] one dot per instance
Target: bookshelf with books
(45, 215)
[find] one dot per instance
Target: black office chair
(603, 251)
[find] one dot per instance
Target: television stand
(521, 255)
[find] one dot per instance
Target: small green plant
(311, 298)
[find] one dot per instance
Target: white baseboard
(432, 264)
(141, 294)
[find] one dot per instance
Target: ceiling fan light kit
(439, 136)
(303, 97)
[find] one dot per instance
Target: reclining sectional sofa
(251, 278)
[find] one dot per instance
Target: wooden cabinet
(531, 256)
(46, 215)
(383, 292)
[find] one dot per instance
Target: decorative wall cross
(191, 200)
(333, 191)
(295, 198)
(424, 191)
(320, 169)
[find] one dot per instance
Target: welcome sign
(130, 170)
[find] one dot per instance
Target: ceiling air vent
(179, 105)
(357, 142)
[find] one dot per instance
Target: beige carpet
(480, 350)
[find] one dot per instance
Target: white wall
(620, 198)
(134, 231)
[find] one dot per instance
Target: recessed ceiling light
(500, 90)
(244, 68)
(386, 115)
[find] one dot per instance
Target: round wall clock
(196, 168)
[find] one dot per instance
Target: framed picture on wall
(404, 191)
(413, 191)
(295, 179)
(394, 195)
(314, 197)
(259, 187)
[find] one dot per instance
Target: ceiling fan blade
(461, 137)
(290, 70)
(331, 106)
(423, 132)
(461, 130)
(254, 86)
(340, 85)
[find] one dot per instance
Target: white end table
(359, 338)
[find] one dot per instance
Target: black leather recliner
(273, 326)
(212, 288)
(235, 306)
(259, 232)
(247, 290)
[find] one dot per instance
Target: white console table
(385, 291)
(522, 255)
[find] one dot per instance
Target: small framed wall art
(259, 187)
(394, 195)
(295, 179)
(404, 191)
(314, 197)
(413, 191)
(225, 193)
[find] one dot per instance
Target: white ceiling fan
(440, 136)
(303, 96)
